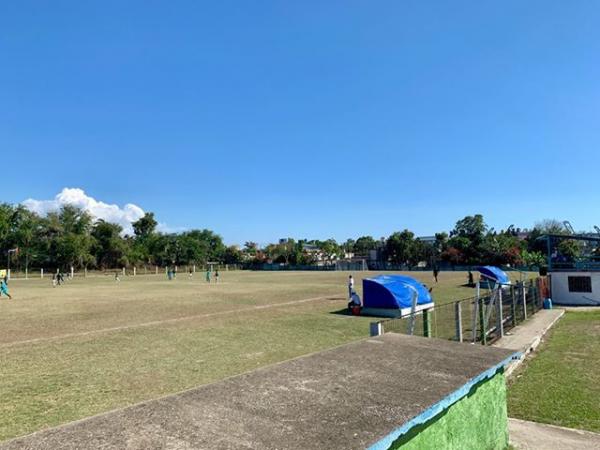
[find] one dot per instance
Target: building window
(580, 284)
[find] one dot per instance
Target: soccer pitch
(93, 344)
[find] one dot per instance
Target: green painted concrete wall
(476, 422)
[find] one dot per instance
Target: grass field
(561, 385)
(93, 345)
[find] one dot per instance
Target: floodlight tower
(568, 227)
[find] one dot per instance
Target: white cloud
(99, 210)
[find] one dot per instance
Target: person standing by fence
(350, 286)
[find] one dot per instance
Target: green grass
(561, 385)
(93, 345)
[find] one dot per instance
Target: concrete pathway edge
(525, 435)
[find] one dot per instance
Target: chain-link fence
(484, 318)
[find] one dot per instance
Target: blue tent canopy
(495, 274)
(393, 292)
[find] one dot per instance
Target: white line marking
(160, 322)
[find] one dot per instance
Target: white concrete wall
(562, 296)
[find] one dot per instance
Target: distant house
(317, 254)
(427, 239)
(310, 248)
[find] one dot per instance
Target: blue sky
(309, 119)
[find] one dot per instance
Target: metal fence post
(482, 326)
(427, 323)
(474, 318)
(524, 295)
(500, 319)
(413, 316)
(458, 321)
(513, 306)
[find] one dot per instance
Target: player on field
(4, 288)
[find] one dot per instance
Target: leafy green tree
(441, 242)
(282, 252)
(364, 244)
(471, 227)
(110, 249)
(570, 249)
(250, 248)
(422, 251)
(400, 247)
(26, 234)
(73, 243)
(145, 226)
(232, 255)
(533, 259)
(501, 249)
(348, 246)
(330, 248)
(146, 240)
(467, 237)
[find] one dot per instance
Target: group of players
(172, 274)
(209, 275)
(59, 278)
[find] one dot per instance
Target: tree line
(471, 242)
(71, 237)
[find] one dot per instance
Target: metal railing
(484, 318)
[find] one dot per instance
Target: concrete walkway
(526, 337)
(526, 435)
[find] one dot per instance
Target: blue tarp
(393, 292)
(495, 274)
